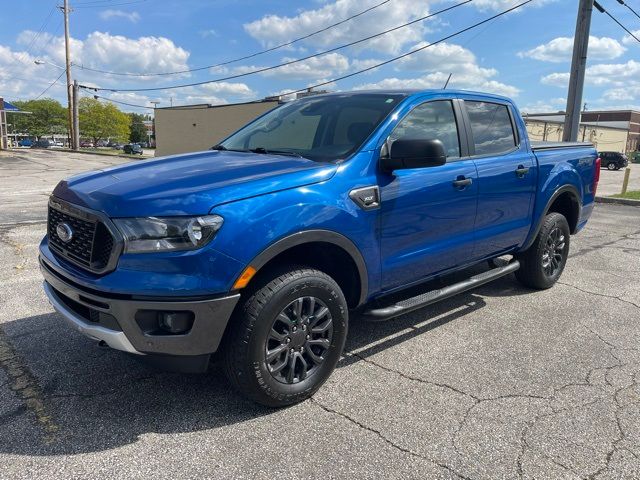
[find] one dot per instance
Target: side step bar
(415, 303)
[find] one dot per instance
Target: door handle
(521, 171)
(462, 182)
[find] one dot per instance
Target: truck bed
(538, 145)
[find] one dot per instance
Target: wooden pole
(625, 182)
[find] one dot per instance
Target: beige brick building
(198, 127)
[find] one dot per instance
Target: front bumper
(125, 322)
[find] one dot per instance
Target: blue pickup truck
(261, 247)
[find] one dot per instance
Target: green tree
(138, 128)
(47, 117)
(102, 121)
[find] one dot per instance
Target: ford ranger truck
(260, 248)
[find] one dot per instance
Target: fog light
(175, 322)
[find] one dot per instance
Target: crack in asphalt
(525, 445)
(387, 440)
(414, 379)
(589, 249)
(599, 294)
(622, 436)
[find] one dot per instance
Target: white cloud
(629, 40)
(22, 79)
(228, 88)
(499, 5)
(111, 13)
(208, 33)
(556, 79)
(115, 53)
(313, 68)
(629, 93)
(273, 29)
(547, 105)
(620, 75)
(437, 80)
(437, 62)
(560, 49)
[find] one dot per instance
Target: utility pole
(76, 117)
(65, 11)
(578, 65)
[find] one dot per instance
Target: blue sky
(525, 54)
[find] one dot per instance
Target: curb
(121, 155)
(68, 150)
(619, 201)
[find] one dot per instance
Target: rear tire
(286, 338)
(543, 262)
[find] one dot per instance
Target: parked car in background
(58, 143)
(260, 247)
(25, 142)
(44, 143)
(132, 148)
(613, 160)
(86, 144)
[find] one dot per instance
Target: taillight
(596, 175)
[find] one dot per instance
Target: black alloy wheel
(299, 340)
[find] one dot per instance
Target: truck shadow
(68, 396)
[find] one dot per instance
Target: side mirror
(414, 153)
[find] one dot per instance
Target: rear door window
(491, 127)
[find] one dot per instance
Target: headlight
(158, 234)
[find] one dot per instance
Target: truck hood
(188, 184)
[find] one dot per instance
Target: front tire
(286, 338)
(543, 262)
(612, 166)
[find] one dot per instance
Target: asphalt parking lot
(501, 382)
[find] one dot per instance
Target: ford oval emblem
(64, 232)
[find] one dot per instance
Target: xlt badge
(367, 198)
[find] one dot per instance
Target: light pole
(74, 131)
(155, 104)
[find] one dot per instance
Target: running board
(415, 303)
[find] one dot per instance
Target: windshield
(323, 128)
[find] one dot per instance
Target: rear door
(506, 177)
(428, 214)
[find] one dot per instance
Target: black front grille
(91, 244)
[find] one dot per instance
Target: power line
(386, 62)
(404, 55)
(284, 64)
(36, 35)
(621, 2)
(87, 4)
(118, 101)
(51, 85)
(602, 10)
(246, 57)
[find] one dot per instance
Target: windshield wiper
(263, 150)
(218, 147)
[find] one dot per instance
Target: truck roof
(408, 92)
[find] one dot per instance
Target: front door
(428, 214)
